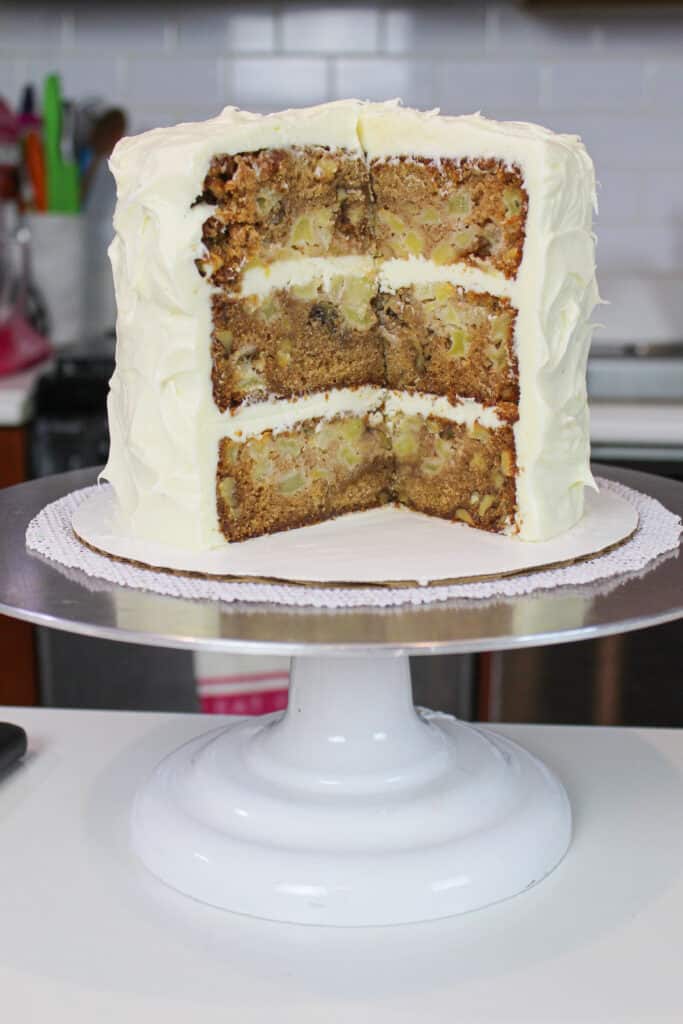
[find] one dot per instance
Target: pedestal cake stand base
(351, 808)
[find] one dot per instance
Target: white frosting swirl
(164, 425)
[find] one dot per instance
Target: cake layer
(470, 211)
(301, 326)
(310, 337)
(312, 201)
(441, 339)
(460, 466)
(456, 471)
(283, 203)
(320, 468)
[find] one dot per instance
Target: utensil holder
(58, 263)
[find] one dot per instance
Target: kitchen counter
(89, 935)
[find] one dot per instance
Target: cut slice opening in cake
(313, 255)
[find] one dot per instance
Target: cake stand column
(352, 723)
(351, 808)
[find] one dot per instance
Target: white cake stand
(352, 807)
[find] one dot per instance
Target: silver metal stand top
(45, 593)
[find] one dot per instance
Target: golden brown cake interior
(279, 203)
(453, 471)
(324, 468)
(296, 341)
(451, 211)
(434, 338)
(443, 340)
(321, 469)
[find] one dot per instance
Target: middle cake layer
(339, 326)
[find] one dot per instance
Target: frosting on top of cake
(162, 417)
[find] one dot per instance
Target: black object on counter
(70, 425)
(12, 745)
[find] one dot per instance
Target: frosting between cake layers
(391, 274)
(416, 270)
(466, 411)
(162, 459)
(260, 280)
(279, 414)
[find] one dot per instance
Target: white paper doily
(50, 534)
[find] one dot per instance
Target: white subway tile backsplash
(12, 78)
(662, 195)
(264, 84)
(654, 247)
(614, 75)
(436, 29)
(30, 27)
(643, 308)
(217, 29)
(664, 85)
(595, 85)
(145, 118)
(643, 29)
(169, 81)
(384, 79)
(639, 141)
(496, 88)
(541, 31)
(119, 28)
(251, 30)
(322, 29)
(202, 30)
(620, 196)
(82, 77)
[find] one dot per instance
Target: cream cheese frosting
(164, 425)
(288, 273)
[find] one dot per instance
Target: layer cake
(326, 310)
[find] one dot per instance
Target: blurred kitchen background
(611, 72)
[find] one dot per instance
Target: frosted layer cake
(331, 309)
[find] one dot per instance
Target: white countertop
(87, 935)
(16, 395)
